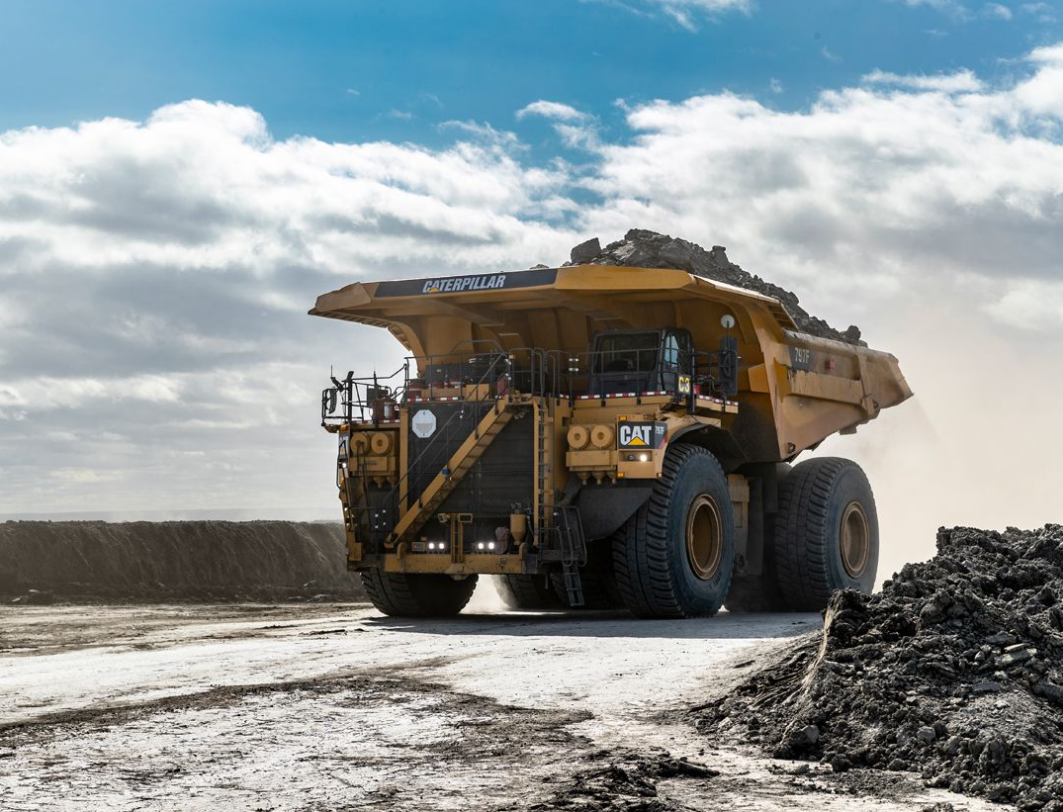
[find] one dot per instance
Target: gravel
(953, 671)
(648, 249)
(626, 783)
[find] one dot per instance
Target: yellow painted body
(794, 389)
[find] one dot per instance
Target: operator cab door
(676, 354)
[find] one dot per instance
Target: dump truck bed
(794, 389)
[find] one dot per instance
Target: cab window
(627, 352)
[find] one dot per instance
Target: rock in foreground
(954, 671)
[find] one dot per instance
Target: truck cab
(640, 360)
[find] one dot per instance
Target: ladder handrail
(453, 473)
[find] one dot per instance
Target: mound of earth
(954, 671)
(162, 561)
(648, 249)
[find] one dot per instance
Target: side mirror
(331, 398)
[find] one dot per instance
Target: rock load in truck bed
(648, 249)
(954, 670)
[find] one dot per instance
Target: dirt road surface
(334, 707)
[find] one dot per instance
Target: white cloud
(1031, 305)
(961, 82)
(948, 6)
(963, 13)
(903, 182)
(83, 476)
(577, 129)
(1042, 12)
(997, 10)
(551, 110)
(684, 12)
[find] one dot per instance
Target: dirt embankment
(954, 671)
(164, 561)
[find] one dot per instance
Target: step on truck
(600, 437)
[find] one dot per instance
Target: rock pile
(954, 670)
(648, 249)
(628, 783)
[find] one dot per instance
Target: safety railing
(363, 400)
(485, 370)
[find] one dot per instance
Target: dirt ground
(334, 707)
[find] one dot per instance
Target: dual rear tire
(826, 533)
(529, 593)
(675, 557)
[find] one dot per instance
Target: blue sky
(347, 70)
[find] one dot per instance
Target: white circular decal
(424, 423)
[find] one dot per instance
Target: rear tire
(826, 533)
(674, 558)
(400, 595)
(751, 594)
(761, 593)
(530, 593)
(599, 590)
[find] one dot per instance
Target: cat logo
(640, 435)
(684, 384)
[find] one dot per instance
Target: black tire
(530, 593)
(753, 594)
(655, 574)
(761, 593)
(401, 595)
(818, 497)
(599, 590)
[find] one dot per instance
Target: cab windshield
(627, 352)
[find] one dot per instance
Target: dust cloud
(977, 446)
(486, 600)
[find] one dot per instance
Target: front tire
(400, 595)
(674, 558)
(826, 533)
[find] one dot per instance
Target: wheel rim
(704, 537)
(855, 539)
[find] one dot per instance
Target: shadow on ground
(604, 625)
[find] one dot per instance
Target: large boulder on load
(641, 248)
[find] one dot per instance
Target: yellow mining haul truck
(600, 436)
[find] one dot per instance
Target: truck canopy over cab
(612, 330)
